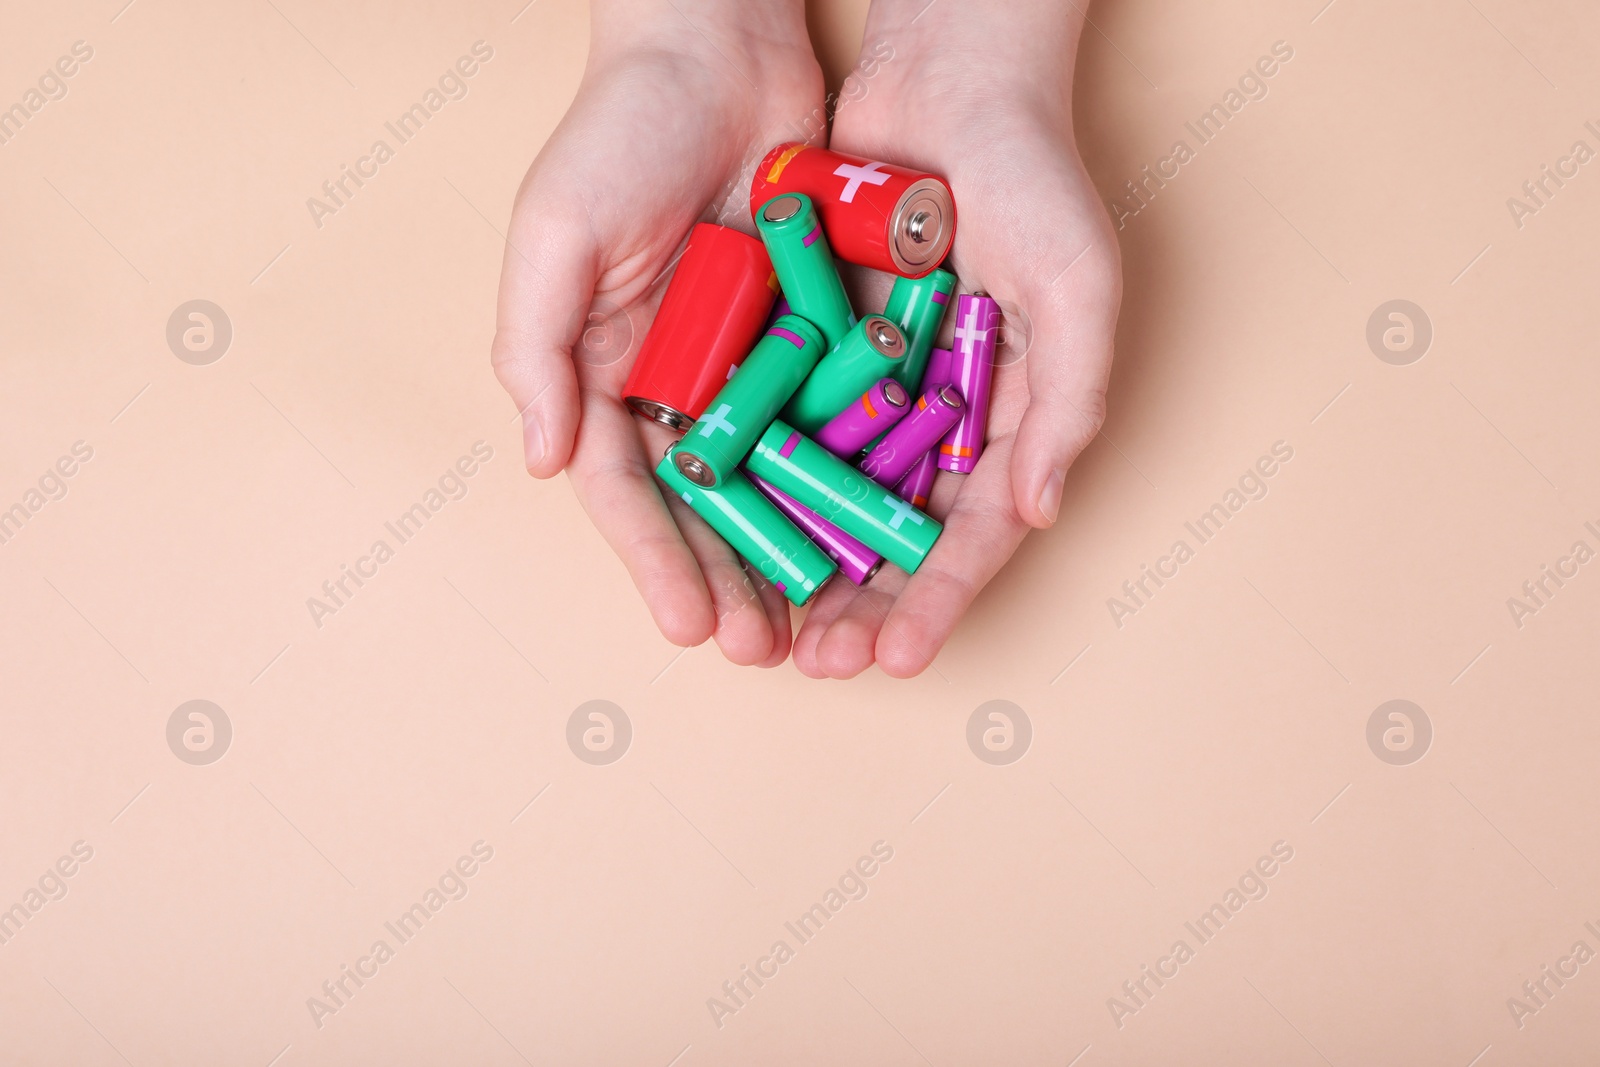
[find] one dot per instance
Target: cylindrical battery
(804, 265)
(710, 315)
(917, 485)
(890, 218)
(756, 529)
(971, 372)
(879, 408)
(719, 440)
(856, 561)
(843, 496)
(914, 436)
(938, 370)
(867, 353)
(917, 306)
(779, 310)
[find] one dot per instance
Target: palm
(650, 146)
(1032, 234)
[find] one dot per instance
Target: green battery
(844, 496)
(721, 438)
(756, 529)
(917, 306)
(792, 231)
(873, 350)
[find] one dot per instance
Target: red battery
(879, 215)
(710, 317)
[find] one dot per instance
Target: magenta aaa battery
(869, 352)
(917, 485)
(856, 561)
(869, 418)
(938, 370)
(971, 372)
(936, 374)
(935, 413)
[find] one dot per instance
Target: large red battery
(710, 317)
(879, 215)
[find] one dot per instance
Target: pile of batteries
(820, 452)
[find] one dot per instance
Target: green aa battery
(873, 350)
(756, 529)
(844, 496)
(720, 439)
(917, 306)
(792, 231)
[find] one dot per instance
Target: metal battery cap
(950, 397)
(781, 208)
(694, 469)
(885, 337)
(659, 412)
(922, 227)
(819, 589)
(895, 395)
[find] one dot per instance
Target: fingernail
(532, 439)
(1050, 495)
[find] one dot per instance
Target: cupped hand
(980, 92)
(664, 132)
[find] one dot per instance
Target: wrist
(746, 33)
(1023, 51)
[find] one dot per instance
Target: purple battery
(936, 412)
(938, 370)
(858, 425)
(856, 561)
(971, 372)
(917, 485)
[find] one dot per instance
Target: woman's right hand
(669, 121)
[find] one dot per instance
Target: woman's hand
(980, 91)
(679, 101)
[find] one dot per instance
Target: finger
(742, 631)
(833, 599)
(778, 617)
(1069, 366)
(611, 475)
(547, 281)
(981, 531)
(848, 647)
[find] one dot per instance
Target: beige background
(1167, 755)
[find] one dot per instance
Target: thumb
(1069, 365)
(547, 280)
